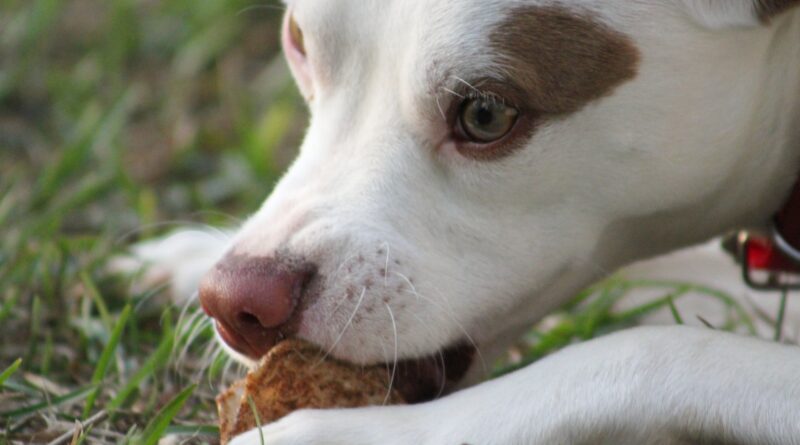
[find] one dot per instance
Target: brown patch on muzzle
(561, 58)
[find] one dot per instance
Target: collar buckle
(769, 263)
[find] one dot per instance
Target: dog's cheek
(363, 306)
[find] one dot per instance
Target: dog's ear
(719, 14)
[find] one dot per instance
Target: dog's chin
(417, 380)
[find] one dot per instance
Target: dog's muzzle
(253, 300)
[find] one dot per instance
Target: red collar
(776, 255)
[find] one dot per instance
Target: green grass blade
(252, 404)
(674, 310)
(636, 313)
(781, 315)
(74, 396)
(105, 359)
(723, 297)
(599, 310)
(92, 188)
(91, 289)
(8, 305)
(35, 327)
(10, 371)
(193, 430)
(156, 361)
(23, 387)
(156, 428)
(99, 129)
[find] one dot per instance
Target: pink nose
(252, 298)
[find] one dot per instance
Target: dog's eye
(296, 35)
(486, 120)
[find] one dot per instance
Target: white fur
(655, 385)
(443, 248)
(718, 14)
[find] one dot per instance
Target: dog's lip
(427, 378)
(239, 344)
(416, 380)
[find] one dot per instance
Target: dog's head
(471, 163)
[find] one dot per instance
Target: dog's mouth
(424, 379)
(416, 380)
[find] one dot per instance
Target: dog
(471, 165)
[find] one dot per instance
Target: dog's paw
(360, 426)
(176, 262)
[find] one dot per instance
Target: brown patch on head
(766, 9)
(562, 59)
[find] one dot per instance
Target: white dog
(471, 164)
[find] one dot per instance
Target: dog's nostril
(253, 298)
(246, 318)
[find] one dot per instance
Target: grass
(119, 120)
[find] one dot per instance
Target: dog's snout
(253, 299)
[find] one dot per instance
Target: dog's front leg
(645, 385)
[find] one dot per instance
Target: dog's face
(470, 164)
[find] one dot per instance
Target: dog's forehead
(410, 57)
(559, 55)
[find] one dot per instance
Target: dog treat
(293, 376)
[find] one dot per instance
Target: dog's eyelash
(486, 96)
(474, 93)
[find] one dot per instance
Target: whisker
(469, 85)
(474, 344)
(211, 351)
(196, 226)
(394, 363)
(187, 320)
(441, 110)
(460, 96)
(451, 315)
(444, 374)
(260, 7)
(148, 295)
(232, 218)
(186, 306)
(386, 266)
(199, 325)
(226, 370)
(344, 329)
(385, 362)
(334, 278)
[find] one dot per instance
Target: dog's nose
(251, 299)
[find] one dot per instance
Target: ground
(121, 120)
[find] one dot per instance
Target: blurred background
(121, 120)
